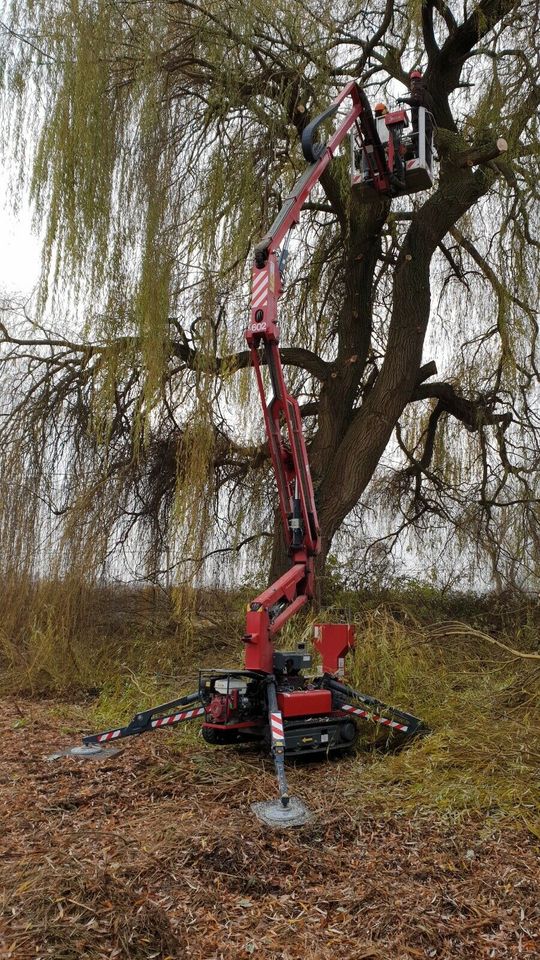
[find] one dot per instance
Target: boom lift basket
(407, 132)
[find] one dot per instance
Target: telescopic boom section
(282, 417)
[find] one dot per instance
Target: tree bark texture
(351, 438)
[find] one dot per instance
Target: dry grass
(431, 851)
(480, 698)
(59, 637)
(482, 706)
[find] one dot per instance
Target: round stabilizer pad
(274, 814)
(86, 751)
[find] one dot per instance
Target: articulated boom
(282, 417)
(283, 422)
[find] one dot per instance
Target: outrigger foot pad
(274, 814)
(86, 751)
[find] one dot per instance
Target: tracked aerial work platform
(274, 699)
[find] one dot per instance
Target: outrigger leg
(155, 718)
(368, 708)
(287, 811)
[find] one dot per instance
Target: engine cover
(305, 703)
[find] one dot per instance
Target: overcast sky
(19, 249)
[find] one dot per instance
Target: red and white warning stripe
(259, 290)
(276, 726)
(111, 735)
(161, 722)
(177, 717)
(366, 715)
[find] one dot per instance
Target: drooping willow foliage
(158, 141)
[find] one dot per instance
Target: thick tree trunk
(339, 392)
(371, 426)
(281, 561)
(351, 440)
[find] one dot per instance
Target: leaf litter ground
(155, 854)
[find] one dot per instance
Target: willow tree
(159, 140)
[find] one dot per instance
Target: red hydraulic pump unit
(271, 700)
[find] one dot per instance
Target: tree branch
(426, 370)
(369, 45)
(291, 356)
(443, 73)
(474, 414)
(461, 41)
(481, 153)
(489, 273)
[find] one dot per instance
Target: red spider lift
(270, 700)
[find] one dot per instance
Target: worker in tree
(393, 133)
(380, 110)
(390, 137)
(365, 157)
(420, 97)
(419, 93)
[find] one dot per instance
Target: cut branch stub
(482, 153)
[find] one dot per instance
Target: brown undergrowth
(155, 855)
(64, 636)
(430, 851)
